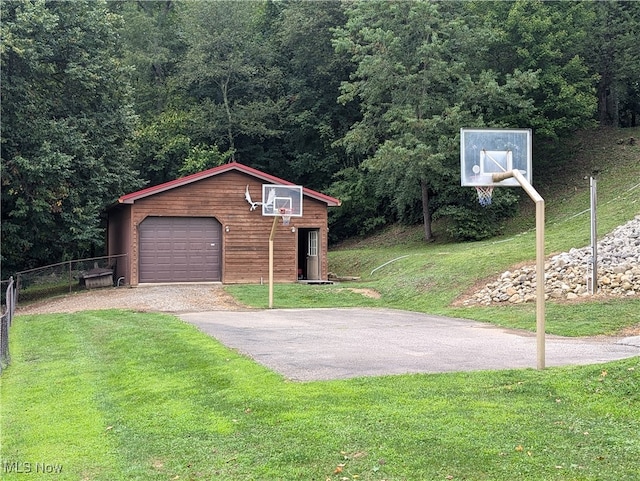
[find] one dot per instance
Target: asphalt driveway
(320, 344)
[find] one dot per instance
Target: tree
(152, 47)
(613, 51)
(301, 35)
(247, 74)
(202, 158)
(548, 38)
(161, 143)
(229, 73)
(417, 86)
(66, 118)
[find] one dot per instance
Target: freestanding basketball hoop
(279, 201)
(501, 158)
(485, 152)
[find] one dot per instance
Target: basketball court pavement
(322, 344)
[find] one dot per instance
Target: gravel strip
(160, 298)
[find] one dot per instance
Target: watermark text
(26, 467)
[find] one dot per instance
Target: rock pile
(567, 275)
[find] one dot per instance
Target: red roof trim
(272, 179)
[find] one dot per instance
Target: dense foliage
(362, 100)
(66, 121)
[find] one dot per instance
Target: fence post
(5, 322)
(14, 298)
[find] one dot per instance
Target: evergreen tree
(548, 38)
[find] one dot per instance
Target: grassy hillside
(429, 277)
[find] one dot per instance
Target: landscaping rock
(567, 276)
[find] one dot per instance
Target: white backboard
(484, 152)
(282, 200)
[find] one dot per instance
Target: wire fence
(50, 280)
(8, 309)
(68, 276)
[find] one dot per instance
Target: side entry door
(313, 255)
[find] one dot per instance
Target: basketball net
(485, 193)
(286, 215)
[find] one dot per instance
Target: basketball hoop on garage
(286, 215)
(485, 194)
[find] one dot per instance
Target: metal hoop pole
(273, 232)
(594, 236)
(540, 301)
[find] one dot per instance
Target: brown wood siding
(245, 233)
(119, 240)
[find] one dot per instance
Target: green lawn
(118, 395)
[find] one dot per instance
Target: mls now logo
(30, 468)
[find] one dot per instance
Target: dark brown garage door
(180, 249)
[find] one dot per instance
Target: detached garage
(206, 227)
